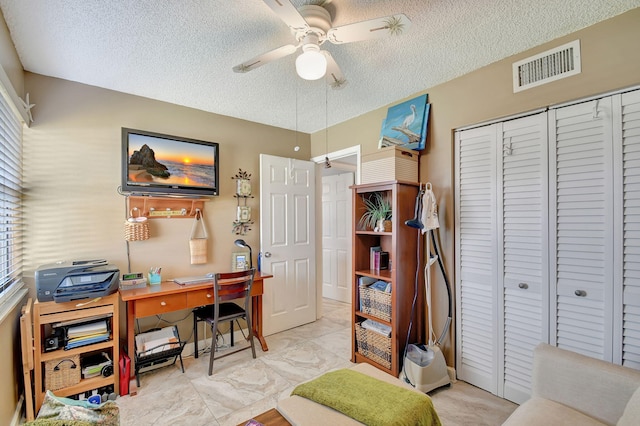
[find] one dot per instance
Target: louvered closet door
(524, 244)
(476, 259)
(631, 235)
(581, 173)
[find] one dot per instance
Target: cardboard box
(390, 163)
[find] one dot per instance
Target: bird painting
(410, 118)
(406, 124)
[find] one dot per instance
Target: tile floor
(241, 387)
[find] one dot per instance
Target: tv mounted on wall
(157, 163)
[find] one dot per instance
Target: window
(11, 221)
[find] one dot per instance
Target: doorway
(334, 233)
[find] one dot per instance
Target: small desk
(169, 297)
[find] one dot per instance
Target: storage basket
(373, 345)
(136, 228)
(62, 372)
(388, 164)
(136, 231)
(375, 302)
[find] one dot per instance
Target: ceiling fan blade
(371, 29)
(267, 57)
(288, 13)
(334, 75)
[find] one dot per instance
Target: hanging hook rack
(165, 207)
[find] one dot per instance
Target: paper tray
(158, 346)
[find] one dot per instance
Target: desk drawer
(200, 297)
(160, 304)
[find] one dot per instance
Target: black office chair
(226, 287)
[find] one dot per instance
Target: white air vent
(554, 64)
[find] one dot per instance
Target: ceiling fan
(311, 25)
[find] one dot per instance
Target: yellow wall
(72, 157)
(610, 60)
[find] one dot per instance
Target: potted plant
(378, 211)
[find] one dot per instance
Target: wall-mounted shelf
(164, 207)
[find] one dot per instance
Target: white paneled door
(287, 242)
(336, 237)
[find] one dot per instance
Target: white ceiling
(182, 51)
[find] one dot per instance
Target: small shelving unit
(45, 314)
(401, 243)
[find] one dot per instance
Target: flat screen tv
(157, 163)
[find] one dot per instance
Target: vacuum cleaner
(424, 366)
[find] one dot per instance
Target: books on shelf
(380, 285)
(86, 333)
(374, 257)
(86, 340)
(364, 282)
(377, 327)
(378, 259)
(87, 329)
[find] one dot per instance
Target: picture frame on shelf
(239, 261)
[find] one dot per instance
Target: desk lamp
(242, 243)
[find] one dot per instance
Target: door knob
(523, 286)
(267, 254)
(580, 293)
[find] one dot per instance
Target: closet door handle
(523, 286)
(580, 293)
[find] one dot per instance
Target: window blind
(11, 220)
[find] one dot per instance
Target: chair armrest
(594, 387)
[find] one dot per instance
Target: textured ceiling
(182, 51)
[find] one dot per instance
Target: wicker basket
(136, 231)
(376, 303)
(373, 345)
(61, 373)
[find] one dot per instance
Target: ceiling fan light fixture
(311, 64)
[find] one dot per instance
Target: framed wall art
(406, 124)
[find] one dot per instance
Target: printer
(74, 280)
